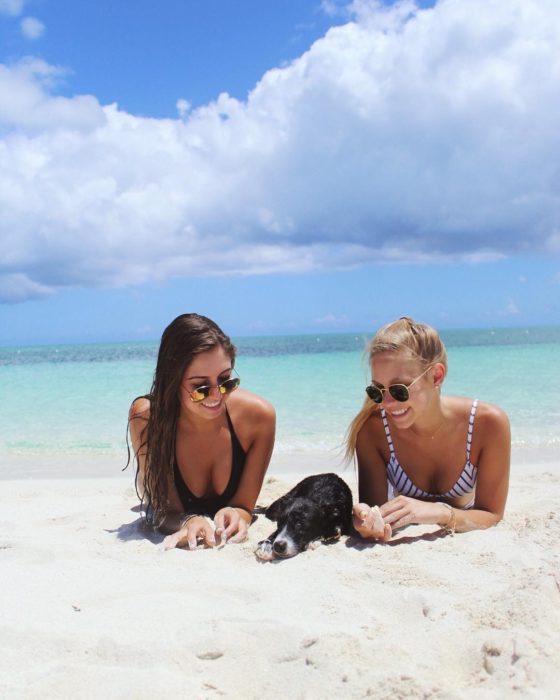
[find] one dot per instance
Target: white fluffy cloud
(403, 135)
(32, 28)
(12, 8)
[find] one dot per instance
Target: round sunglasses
(400, 392)
(225, 387)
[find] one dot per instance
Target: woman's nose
(388, 399)
(215, 391)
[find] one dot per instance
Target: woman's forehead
(209, 363)
(394, 364)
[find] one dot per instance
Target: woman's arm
(372, 471)
(183, 529)
(138, 416)
(493, 434)
(372, 482)
(175, 521)
(255, 424)
(493, 471)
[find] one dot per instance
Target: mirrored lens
(229, 385)
(374, 393)
(201, 393)
(399, 392)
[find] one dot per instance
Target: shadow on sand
(358, 543)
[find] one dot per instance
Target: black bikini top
(209, 505)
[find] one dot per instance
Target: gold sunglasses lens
(203, 392)
(200, 393)
(229, 385)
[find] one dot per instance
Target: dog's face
(318, 507)
(299, 523)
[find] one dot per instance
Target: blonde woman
(423, 457)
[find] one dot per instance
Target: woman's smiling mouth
(213, 404)
(399, 413)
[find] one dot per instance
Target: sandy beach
(92, 607)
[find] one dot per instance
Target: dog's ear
(332, 514)
(276, 508)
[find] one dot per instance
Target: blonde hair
(417, 340)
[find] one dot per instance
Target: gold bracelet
(451, 523)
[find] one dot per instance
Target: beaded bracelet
(250, 513)
(451, 523)
(186, 519)
(234, 505)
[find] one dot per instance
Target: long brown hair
(418, 340)
(184, 338)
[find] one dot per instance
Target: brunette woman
(202, 445)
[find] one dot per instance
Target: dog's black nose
(280, 546)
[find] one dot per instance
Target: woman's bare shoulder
(248, 405)
(489, 417)
(140, 408)
(374, 421)
(138, 417)
(372, 430)
(372, 447)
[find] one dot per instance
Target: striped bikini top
(400, 482)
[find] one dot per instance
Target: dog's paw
(335, 536)
(264, 550)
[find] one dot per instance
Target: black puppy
(319, 507)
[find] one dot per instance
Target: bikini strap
(387, 432)
(230, 424)
(238, 452)
(470, 430)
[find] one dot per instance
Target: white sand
(92, 608)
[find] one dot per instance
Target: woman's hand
(194, 529)
(369, 523)
(229, 522)
(402, 510)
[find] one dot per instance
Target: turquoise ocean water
(72, 400)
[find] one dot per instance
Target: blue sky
(282, 166)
